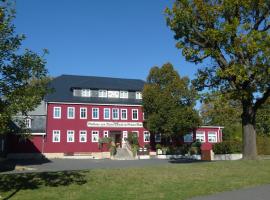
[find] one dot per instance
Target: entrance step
(123, 154)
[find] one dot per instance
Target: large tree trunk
(249, 133)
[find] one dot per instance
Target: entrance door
(118, 140)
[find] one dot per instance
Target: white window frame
(93, 113)
(103, 93)
(81, 108)
(144, 138)
(138, 95)
(122, 114)
(109, 113)
(92, 136)
(137, 114)
(156, 140)
(28, 122)
(200, 135)
(73, 136)
(56, 132)
(124, 94)
(213, 133)
(54, 112)
(115, 118)
(188, 134)
(84, 134)
(113, 94)
(86, 93)
(105, 134)
(71, 117)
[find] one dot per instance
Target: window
(200, 136)
(83, 113)
(188, 137)
(105, 134)
(138, 95)
(70, 136)
(27, 122)
(56, 136)
(95, 113)
(115, 113)
(83, 136)
(107, 113)
(56, 112)
(95, 136)
(102, 93)
(136, 133)
(146, 136)
(124, 94)
(124, 114)
(86, 93)
(113, 94)
(158, 137)
(212, 136)
(134, 114)
(70, 112)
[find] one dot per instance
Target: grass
(172, 181)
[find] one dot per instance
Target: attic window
(86, 93)
(138, 95)
(102, 93)
(27, 122)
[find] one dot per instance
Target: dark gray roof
(62, 89)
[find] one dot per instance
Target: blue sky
(119, 38)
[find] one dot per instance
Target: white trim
(73, 108)
(85, 113)
(93, 113)
(145, 137)
(137, 132)
(137, 114)
(104, 113)
(220, 127)
(201, 132)
(59, 112)
(59, 133)
(96, 132)
(114, 118)
(108, 104)
(38, 133)
(126, 114)
(80, 133)
(213, 133)
(73, 136)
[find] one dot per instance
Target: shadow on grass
(184, 161)
(15, 182)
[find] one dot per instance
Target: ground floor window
(105, 134)
(188, 137)
(200, 136)
(158, 137)
(83, 136)
(95, 136)
(125, 135)
(70, 136)
(212, 136)
(56, 136)
(146, 137)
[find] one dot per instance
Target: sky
(119, 38)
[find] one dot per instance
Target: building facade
(83, 109)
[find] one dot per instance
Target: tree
(263, 119)
(168, 102)
(23, 81)
(232, 37)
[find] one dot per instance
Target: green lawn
(172, 181)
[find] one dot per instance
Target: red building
(83, 109)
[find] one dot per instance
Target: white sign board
(115, 124)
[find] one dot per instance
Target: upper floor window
(102, 93)
(113, 94)
(95, 113)
(106, 113)
(124, 94)
(70, 112)
(57, 112)
(146, 136)
(212, 136)
(138, 95)
(134, 114)
(83, 113)
(86, 92)
(124, 114)
(56, 136)
(200, 136)
(28, 122)
(70, 136)
(115, 113)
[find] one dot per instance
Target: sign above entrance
(115, 124)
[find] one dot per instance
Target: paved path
(256, 193)
(17, 166)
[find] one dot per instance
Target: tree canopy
(232, 37)
(168, 102)
(23, 76)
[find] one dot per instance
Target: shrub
(158, 146)
(263, 144)
(147, 146)
(227, 147)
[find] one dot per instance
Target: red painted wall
(211, 129)
(19, 145)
